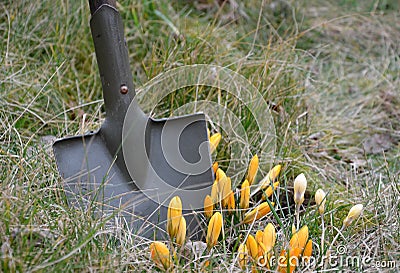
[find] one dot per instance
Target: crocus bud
(269, 237)
(354, 213)
(255, 214)
(253, 168)
(181, 233)
(320, 200)
(174, 216)
(270, 190)
(270, 177)
(214, 141)
(160, 255)
(245, 195)
(300, 185)
(214, 229)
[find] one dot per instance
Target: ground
(329, 71)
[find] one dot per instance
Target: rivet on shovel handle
(124, 89)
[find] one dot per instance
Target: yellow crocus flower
(252, 171)
(270, 190)
(214, 229)
(353, 214)
(255, 214)
(320, 199)
(270, 177)
(160, 255)
(174, 215)
(300, 185)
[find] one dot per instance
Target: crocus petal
(261, 253)
(231, 202)
(307, 252)
(299, 239)
(226, 184)
(291, 260)
(252, 246)
(259, 236)
(181, 234)
(208, 206)
(215, 167)
(269, 237)
(215, 192)
(214, 141)
(253, 168)
(245, 195)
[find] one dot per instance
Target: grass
(329, 70)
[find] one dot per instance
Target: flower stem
(323, 233)
(298, 216)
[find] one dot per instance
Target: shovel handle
(95, 4)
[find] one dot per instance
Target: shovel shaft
(113, 61)
(115, 73)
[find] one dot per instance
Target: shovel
(133, 165)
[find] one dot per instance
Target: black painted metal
(92, 165)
